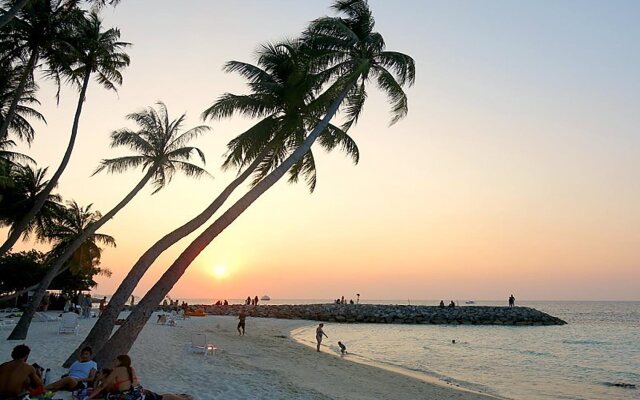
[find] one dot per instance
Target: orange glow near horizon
(515, 171)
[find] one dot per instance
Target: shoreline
(266, 363)
(295, 335)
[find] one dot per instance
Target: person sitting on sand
(241, 322)
(319, 334)
(81, 373)
(122, 384)
(343, 348)
(17, 377)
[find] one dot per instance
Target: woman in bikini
(319, 334)
(122, 383)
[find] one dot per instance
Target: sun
(219, 271)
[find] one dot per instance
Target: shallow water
(592, 357)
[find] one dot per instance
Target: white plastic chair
(69, 323)
(199, 344)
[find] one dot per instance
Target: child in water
(343, 348)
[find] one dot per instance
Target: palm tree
(18, 5)
(28, 183)
(162, 152)
(95, 51)
(357, 56)
(282, 92)
(9, 161)
(40, 31)
(19, 125)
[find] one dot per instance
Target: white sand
(260, 365)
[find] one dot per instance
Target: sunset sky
(517, 169)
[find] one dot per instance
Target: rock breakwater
(395, 314)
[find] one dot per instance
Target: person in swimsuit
(343, 348)
(81, 373)
(241, 322)
(122, 383)
(16, 376)
(319, 334)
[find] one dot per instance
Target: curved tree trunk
(103, 327)
(123, 339)
(28, 69)
(11, 13)
(42, 197)
(21, 329)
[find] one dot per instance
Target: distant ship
(265, 298)
(470, 302)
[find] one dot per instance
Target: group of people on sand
(320, 335)
(19, 379)
(251, 302)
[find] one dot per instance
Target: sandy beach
(265, 363)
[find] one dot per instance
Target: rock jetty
(395, 314)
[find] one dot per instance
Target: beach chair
(7, 324)
(69, 323)
(199, 344)
(44, 317)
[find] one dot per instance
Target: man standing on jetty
(512, 301)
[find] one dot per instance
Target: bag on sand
(135, 393)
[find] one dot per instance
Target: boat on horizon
(265, 298)
(469, 302)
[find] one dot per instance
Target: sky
(515, 171)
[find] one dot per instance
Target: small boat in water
(265, 298)
(469, 302)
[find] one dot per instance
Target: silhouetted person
(452, 304)
(226, 303)
(241, 322)
(255, 301)
(358, 298)
(342, 300)
(343, 348)
(319, 334)
(512, 301)
(351, 301)
(441, 304)
(248, 301)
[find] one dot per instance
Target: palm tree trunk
(123, 339)
(22, 328)
(9, 15)
(103, 327)
(28, 69)
(42, 197)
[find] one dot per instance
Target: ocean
(596, 356)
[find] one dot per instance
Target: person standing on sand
(102, 305)
(241, 322)
(319, 334)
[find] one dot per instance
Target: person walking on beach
(241, 322)
(512, 301)
(319, 334)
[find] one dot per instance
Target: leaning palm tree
(162, 151)
(19, 125)
(357, 57)
(93, 51)
(283, 97)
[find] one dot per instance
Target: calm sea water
(598, 349)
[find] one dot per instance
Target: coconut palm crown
(353, 49)
(284, 95)
(160, 145)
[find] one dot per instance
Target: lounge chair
(199, 344)
(7, 324)
(44, 317)
(69, 323)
